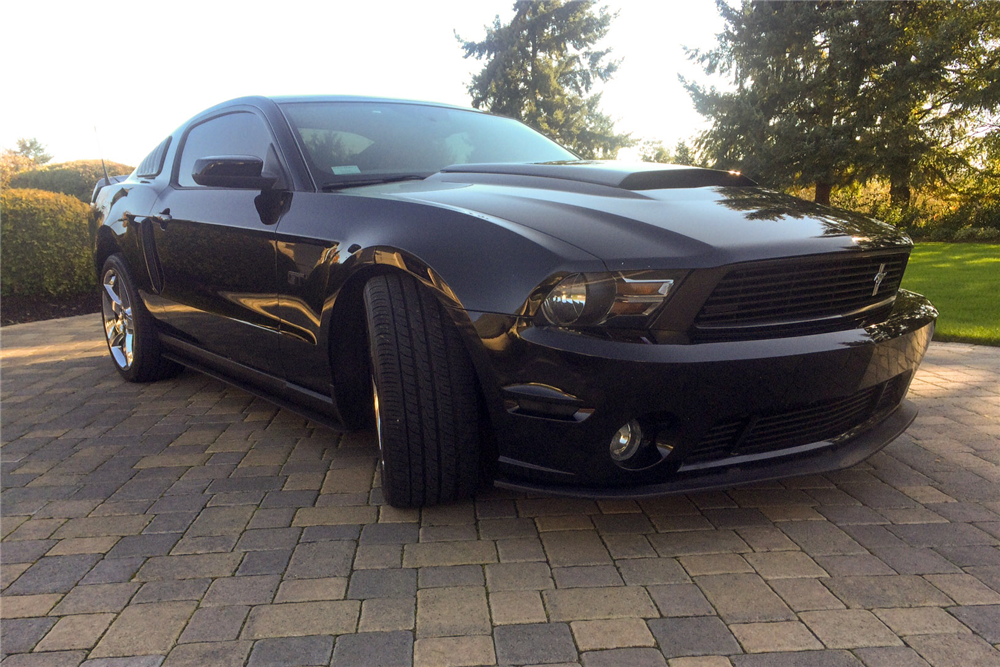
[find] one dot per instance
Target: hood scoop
(622, 175)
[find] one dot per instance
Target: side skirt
(297, 399)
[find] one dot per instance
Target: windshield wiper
(371, 180)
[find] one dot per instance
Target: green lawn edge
(962, 280)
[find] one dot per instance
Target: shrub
(45, 247)
(939, 234)
(933, 215)
(980, 234)
(976, 213)
(12, 163)
(72, 178)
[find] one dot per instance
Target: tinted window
(151, 166)
(232, 134)
(343, 138)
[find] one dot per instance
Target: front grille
(798, 296)
(760, 434)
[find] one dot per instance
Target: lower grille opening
(814, 422)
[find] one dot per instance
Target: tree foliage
(34, 150)
(655, 151)
(541, 68)
(933, 84)
(29, 154)
(829, 93)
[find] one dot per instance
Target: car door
(216, 249)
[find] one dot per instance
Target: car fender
(331, 244)
(118, 212)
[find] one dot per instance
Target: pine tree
(933, 78)
(541, 69)
(30, 154)
(684, 155)
(787, 122)
(828, 93)
(34, 150)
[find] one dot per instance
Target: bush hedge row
(969, 216)
(46, 248)
(72, 178)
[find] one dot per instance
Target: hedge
(44, 244)
(72, 178)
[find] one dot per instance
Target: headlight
(579, 299)
(628, 299)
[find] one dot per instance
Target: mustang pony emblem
(879, 277)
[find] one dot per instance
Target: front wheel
(129, 328)
(424, 388)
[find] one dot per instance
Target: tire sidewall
(385, 457)
(429, 408)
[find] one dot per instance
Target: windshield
(343, 141)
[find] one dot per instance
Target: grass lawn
(962, 280)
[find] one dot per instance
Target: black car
(512, 312)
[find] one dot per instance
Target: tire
(129, 329)
(426, 404)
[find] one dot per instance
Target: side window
(240, 133)
(153, 163)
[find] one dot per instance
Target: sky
(138, 70)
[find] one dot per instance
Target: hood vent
(623, 175)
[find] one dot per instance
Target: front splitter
(835, 457)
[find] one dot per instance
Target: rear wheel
(426, 406)
(128, 327)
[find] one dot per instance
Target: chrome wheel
(119, 325)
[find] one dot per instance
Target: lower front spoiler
(835, 457)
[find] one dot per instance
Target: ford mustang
(499, 309)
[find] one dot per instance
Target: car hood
(635, 216)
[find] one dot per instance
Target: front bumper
(583, 389)
(823, 459)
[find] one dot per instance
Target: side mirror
(233, 171)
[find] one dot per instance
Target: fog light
(626, 441)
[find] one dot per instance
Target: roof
(294, 99)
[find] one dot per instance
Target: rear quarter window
(152, 164)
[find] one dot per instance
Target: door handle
(162, 218)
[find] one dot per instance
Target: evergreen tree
(684, 155)
(832, 92)
(34, 150)
(541, 69)
(29, 154)
(787, 122)
(933, 83)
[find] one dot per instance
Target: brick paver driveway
(187, 523)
